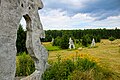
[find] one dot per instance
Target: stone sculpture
(11, 12)
(71, 44)
(52, 40)
(93, 43)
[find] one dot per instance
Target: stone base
(34, 76)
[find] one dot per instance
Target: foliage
(111, 38)
(24, 65)
(21, 39)
(48, 38)
(78, 34)
(57, 41)
(64, 42)
(86, 40)
(77, 67)
(97, 38)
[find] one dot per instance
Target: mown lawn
(107, 52)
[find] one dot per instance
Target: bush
(59, 70)
(111, 39)
(24, 65)
(57, 41)
(97, 39)
(77, 68)
(85, 64)
(78, 75)
(64, 42)
(86, 40)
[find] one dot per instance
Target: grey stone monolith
(71, 44)
(93, 43)
(11, 12)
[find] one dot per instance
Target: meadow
(107, 52)
(101, 62)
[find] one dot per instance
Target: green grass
(24, 65)
(49, 47)
(109, 54)
(77, 69)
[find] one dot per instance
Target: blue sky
(79, 14)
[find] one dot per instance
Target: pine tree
(64, 42)
(21, 40)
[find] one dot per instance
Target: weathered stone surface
(93, 43)
(11, 12)
(71, 44)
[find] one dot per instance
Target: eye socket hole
(29, 7)
(22, 5)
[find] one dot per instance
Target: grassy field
(107, 52)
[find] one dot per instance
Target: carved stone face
(39, 4)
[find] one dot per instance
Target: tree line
(78, 34)
(61, 37)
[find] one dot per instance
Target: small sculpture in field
(52, 40)
(93, 43)
(71, 44)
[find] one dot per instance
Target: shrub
(59, 70)
(86, 40)
(24, 65)
(64, 42)
(111, 39)
(79, 75)
(85, 64)
(97, 38)
(77, 67)
(57, 41)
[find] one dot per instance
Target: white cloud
(110, 22)
(57, 19)
(83, 17)
(23, 23)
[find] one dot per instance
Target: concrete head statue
(11, 12)
(39, 4)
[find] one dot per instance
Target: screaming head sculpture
(11, 12)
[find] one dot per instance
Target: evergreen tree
(57, 41)
(86, 40)
(97, 34)
(21, 39)
(64, 42)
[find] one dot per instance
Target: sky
(79, 14)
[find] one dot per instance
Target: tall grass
(24, 65)
(77, 68)
(119, 50)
